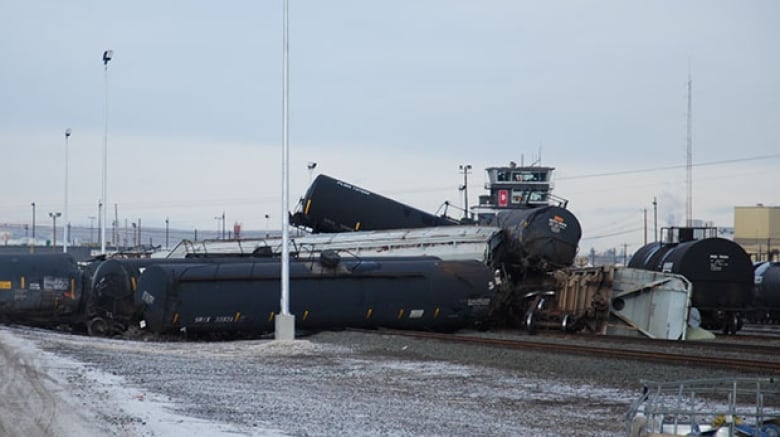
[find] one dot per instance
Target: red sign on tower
(503, 197)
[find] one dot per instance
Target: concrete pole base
(285, 327)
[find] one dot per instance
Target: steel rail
(745, 365)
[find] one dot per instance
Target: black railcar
(766, 294)
(423, 293)
(720, 272)
(40, 289)
(539, 239)
(331, 205)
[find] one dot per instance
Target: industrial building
(757, 230)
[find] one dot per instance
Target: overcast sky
(391, 96)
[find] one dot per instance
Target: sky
(392, 96)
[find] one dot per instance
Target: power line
(671, 167)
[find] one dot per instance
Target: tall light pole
(107, 55)
(54, 216)
(285, 322)
(166, 232)
(465, 170)
(65, 230)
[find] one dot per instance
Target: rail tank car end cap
(694, 318)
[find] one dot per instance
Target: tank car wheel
(565, 322)
(97, 327)
(530, 323)
(731, 325)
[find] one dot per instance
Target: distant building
(757, 230)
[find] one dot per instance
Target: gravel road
(331, 383)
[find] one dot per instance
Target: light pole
(655, 220)
(285, 322)
(66, 231)
(107, 55)
(54, 216)
(218, 218)
(311, 166)
(166, 232)
(267, 228)
(33, 222)
(465, 170)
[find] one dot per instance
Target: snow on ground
(337, 383)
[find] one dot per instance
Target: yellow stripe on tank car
(357, 226)
(175, 318)
(305, 314)
(308, 205)
(369, 313)
(23, 281)
(132, 283)
(400, 313)
(436, 313)
(73, 288)
(237, 317)
(6, 285)
(271, 316)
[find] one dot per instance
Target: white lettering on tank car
(147, 298)
(55, 283)
(718, 262)
(416, 314)
(483, 301)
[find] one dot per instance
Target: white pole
(285, 322)
(65, 219)
(285, 301)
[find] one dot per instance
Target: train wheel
(97, 327)
(565, 323)
(530, 323)
(732, 325)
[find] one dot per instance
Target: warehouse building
(757, 230)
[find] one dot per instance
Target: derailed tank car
(40, 289)
(766, 294)
(110, 305)
(331, 205)
(540, 239)
(422, 293)
(720, 271)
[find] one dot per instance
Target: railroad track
(765, 365)
(730, 343)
